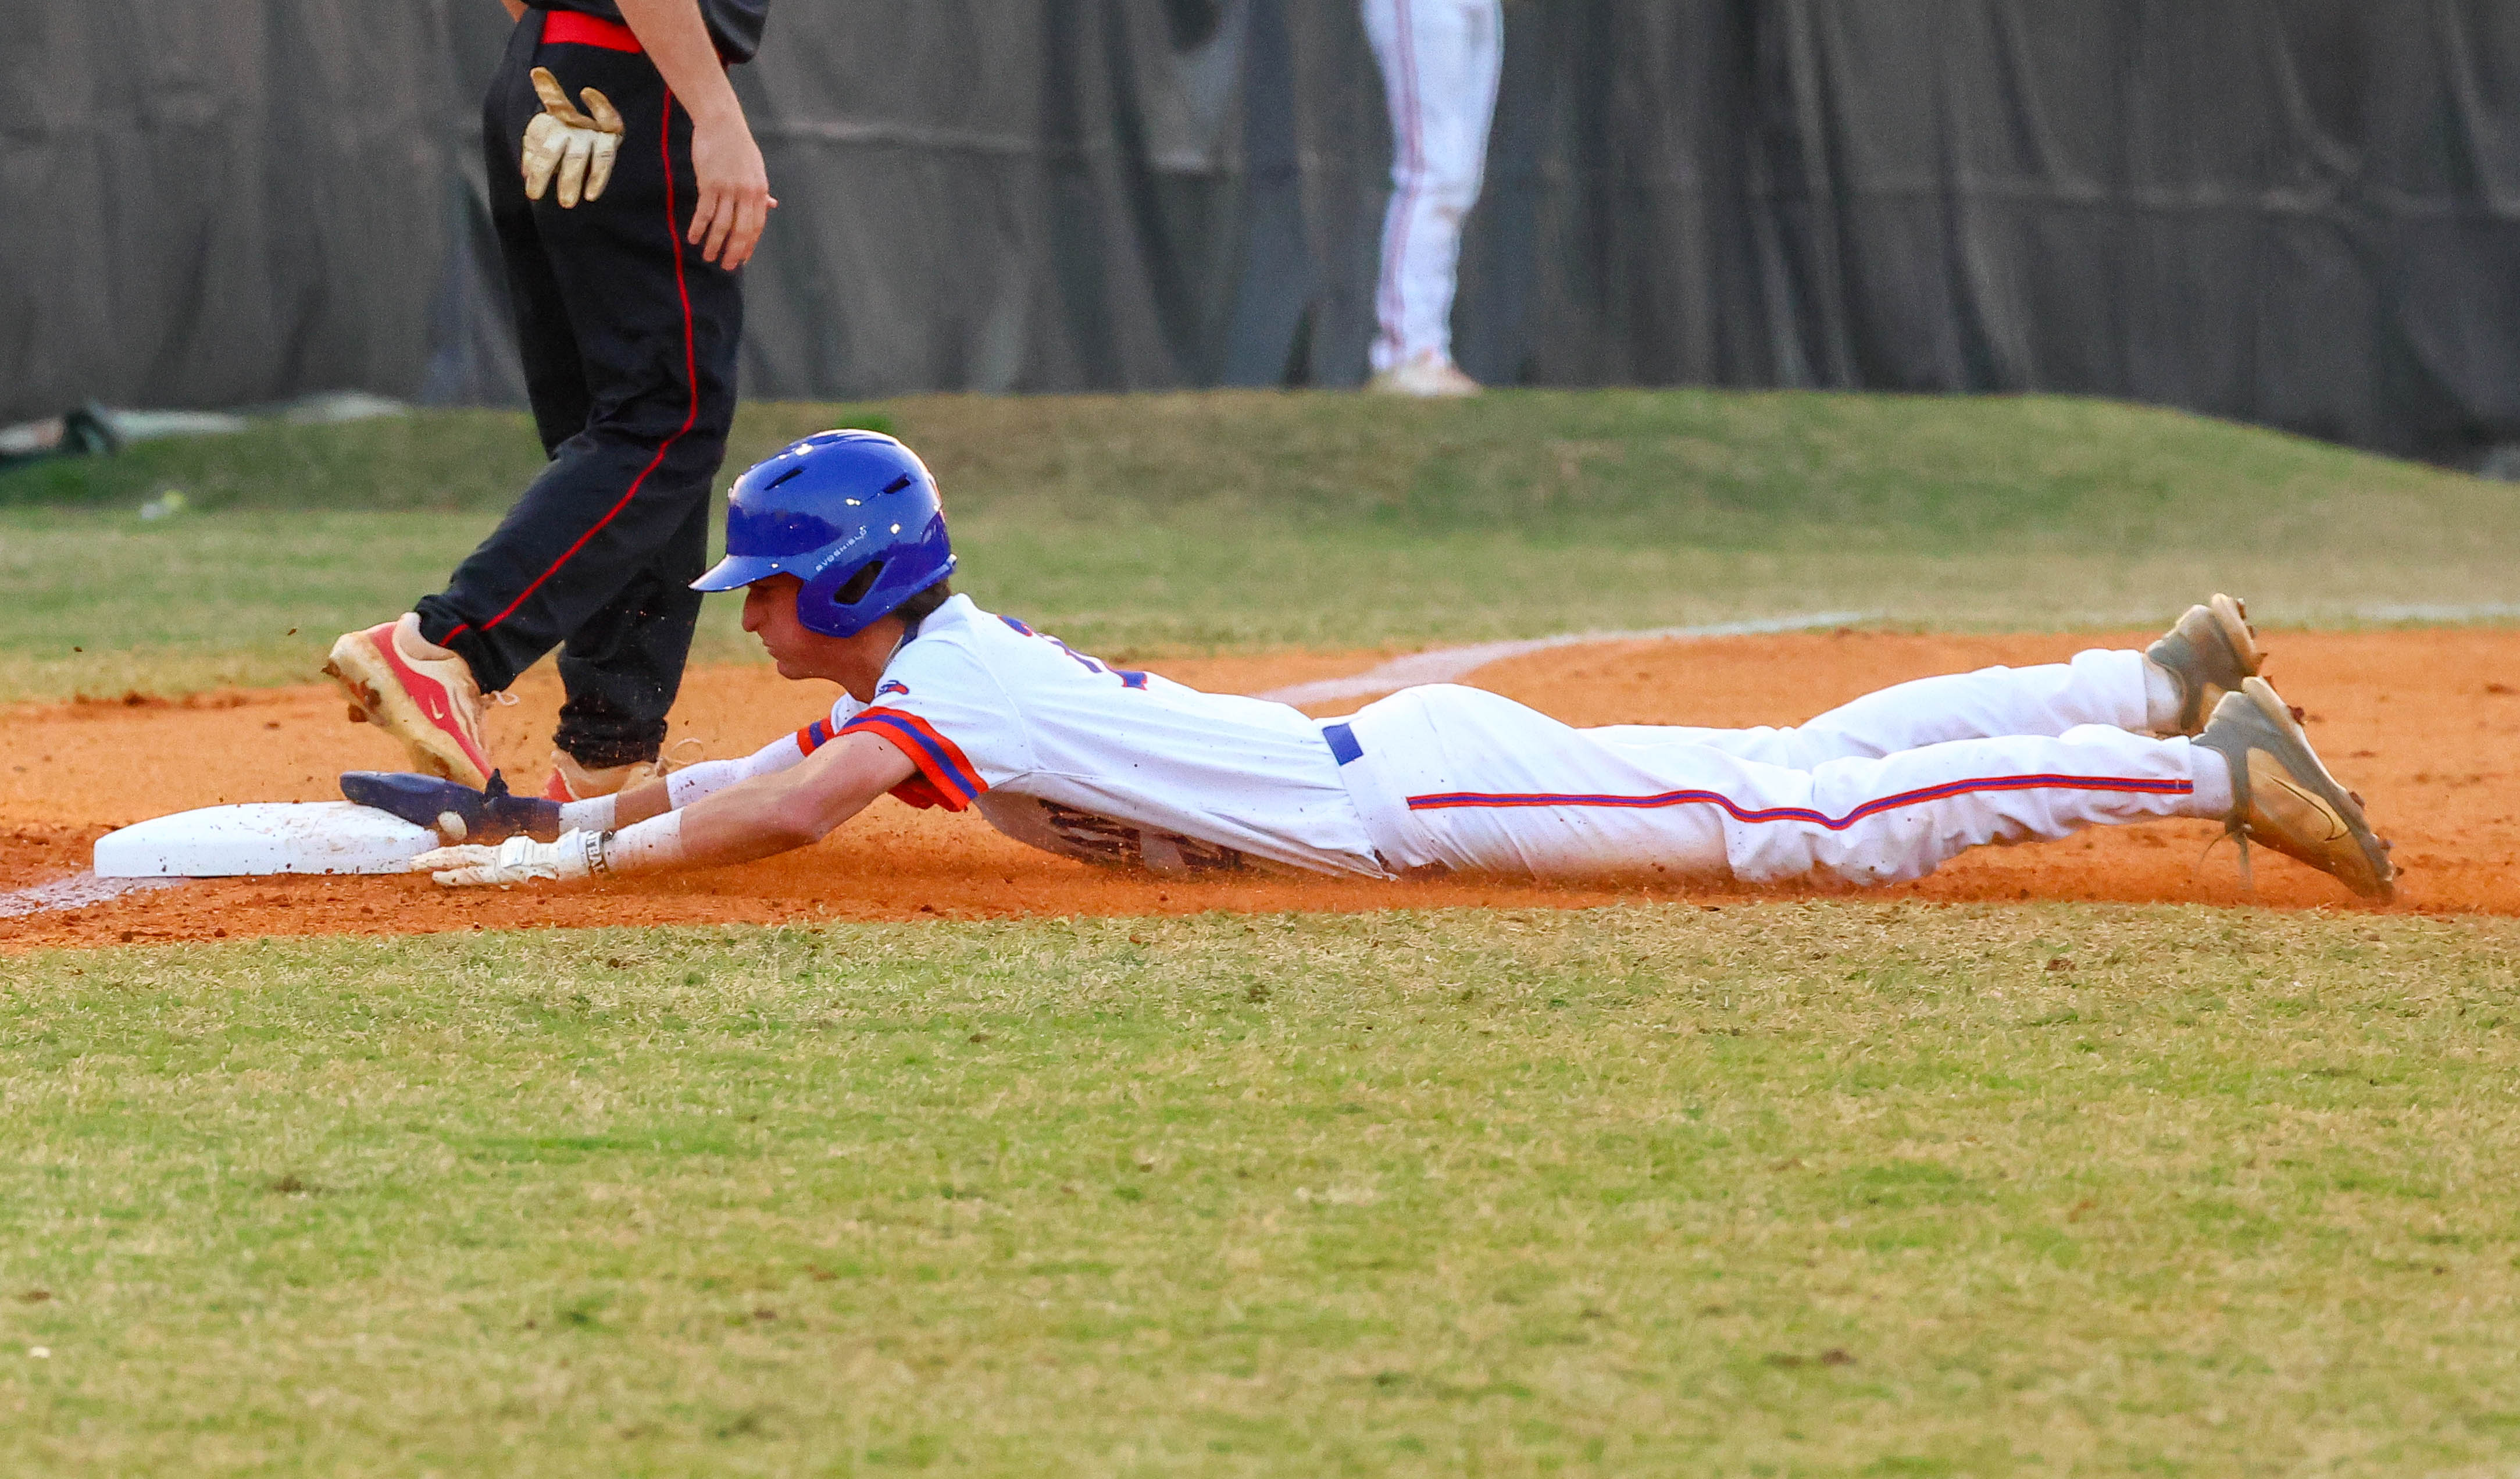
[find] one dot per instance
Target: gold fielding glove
(563, 139)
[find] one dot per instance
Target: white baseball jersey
(1069, 754)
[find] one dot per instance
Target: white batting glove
(519, 859)
(579, 148)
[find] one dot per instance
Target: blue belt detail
(1342, 742)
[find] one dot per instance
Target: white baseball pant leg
(1467, 780)
(1439, 60)
(2100, 686)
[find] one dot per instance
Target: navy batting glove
(457, 814)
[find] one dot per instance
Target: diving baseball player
(840, 550)
(627, 190)
(1439, 60)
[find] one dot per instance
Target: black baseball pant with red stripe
(629, 343)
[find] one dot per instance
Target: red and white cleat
(419, 693)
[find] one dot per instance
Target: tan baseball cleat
(2211, 651)
(2284, 797)
(570, 781)
(419, 693)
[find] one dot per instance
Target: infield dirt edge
(2416, 721)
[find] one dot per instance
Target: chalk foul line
(1446, 665)
(77, 891)
(2487, 611)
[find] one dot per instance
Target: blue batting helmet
(854, 515)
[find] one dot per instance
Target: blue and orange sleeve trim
(956, 780)
(815, 736)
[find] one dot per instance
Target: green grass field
(1780, 1189)
(1158, 524)
(1827, 1187)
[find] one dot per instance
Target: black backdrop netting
(2304, 213)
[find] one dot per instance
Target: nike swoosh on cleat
(421, 690)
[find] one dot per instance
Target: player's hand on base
(519, 859)
(579, 147)
(735, 200)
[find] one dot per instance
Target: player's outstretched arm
(793, 809)
(459, 814)
(754, 818)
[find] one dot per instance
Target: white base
(260, 838)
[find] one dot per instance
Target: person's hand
(735, 200)
(579, 145)
(519, 859)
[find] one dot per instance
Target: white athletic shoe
(1427, 375)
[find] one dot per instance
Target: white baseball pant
(1882, 790)
(1439, 62)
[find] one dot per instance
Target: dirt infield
(2425, 723)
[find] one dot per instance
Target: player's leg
(1439, 60)
(1455, 778)
(2097, 687)
(2166, 689)
(1902, 815)
(623, 669)
(396, 672)
(1473, 781)
(654, 328)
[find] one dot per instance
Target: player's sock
(2162, 698)
(593, 815)
(649, 847)
(2211, 775)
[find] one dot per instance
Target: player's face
(769, 613)
(855, 663)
